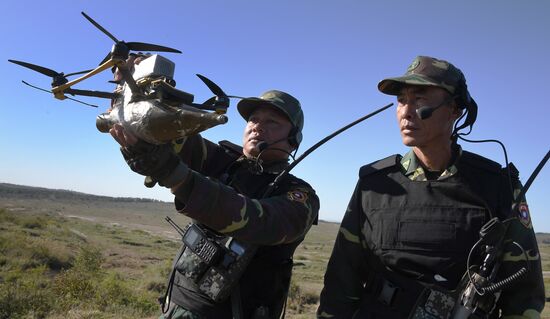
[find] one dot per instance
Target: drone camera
(154, 66)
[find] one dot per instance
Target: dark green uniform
(421, 226)
(224, 192)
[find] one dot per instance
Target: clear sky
(329, 54)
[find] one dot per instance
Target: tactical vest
(264, 283)
(422, 231)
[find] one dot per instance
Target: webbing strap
(236, 304)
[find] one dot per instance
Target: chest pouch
(214, 263)
(391, 295)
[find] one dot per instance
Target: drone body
(158, 123)
(153, 114)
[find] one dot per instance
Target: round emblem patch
(413, 65)
(524, 216)
(297, 196)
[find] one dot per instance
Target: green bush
(118, 296)
(78, 284)
(26, 292)
(114, 292)
(74, 287)
(49, 253)
(89, 260)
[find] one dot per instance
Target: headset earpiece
(294, 137)
(466, 101)
(463, 96)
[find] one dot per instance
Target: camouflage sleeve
(201, 155)
(524, 298)
(275, 220)
(347, 270)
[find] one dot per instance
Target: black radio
(196, 240)
(214, 264)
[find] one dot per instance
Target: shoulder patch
(231, 147)
(480, 162)
(297, 195)
(523, 215)
(379, 165)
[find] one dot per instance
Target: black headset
(295, 136)
(465, 99)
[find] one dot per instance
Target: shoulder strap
(379, 165)
(481, 162)
(231, 148)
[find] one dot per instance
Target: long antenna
(536, 172)
(178, 228)
(317, 145)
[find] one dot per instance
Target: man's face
(434, 131)
(269, 125)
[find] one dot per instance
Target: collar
(411, 167)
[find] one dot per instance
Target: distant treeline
(29, 192)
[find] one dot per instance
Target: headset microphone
(263, 145)
(425, 112)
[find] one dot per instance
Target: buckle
(387, 293)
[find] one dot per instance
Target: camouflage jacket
(225, 192)
(422, 225)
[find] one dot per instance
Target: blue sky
(329, 54)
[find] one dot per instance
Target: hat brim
(393, 86)
(248, 105)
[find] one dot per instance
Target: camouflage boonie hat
(428, 71)
(282, 101)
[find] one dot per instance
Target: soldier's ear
(456, 111)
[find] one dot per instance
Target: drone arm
(58, 91)
(128, 78)
(100, 94)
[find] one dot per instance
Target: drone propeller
(121, 49)
(58, 78)
(220, 100)
(212, 86)
(70, 98)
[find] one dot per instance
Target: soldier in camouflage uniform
(413, 219)
(222, 187)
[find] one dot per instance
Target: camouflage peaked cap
(429, 71)
(282, 101)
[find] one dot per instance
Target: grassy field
(76, 256)
(46, 241)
